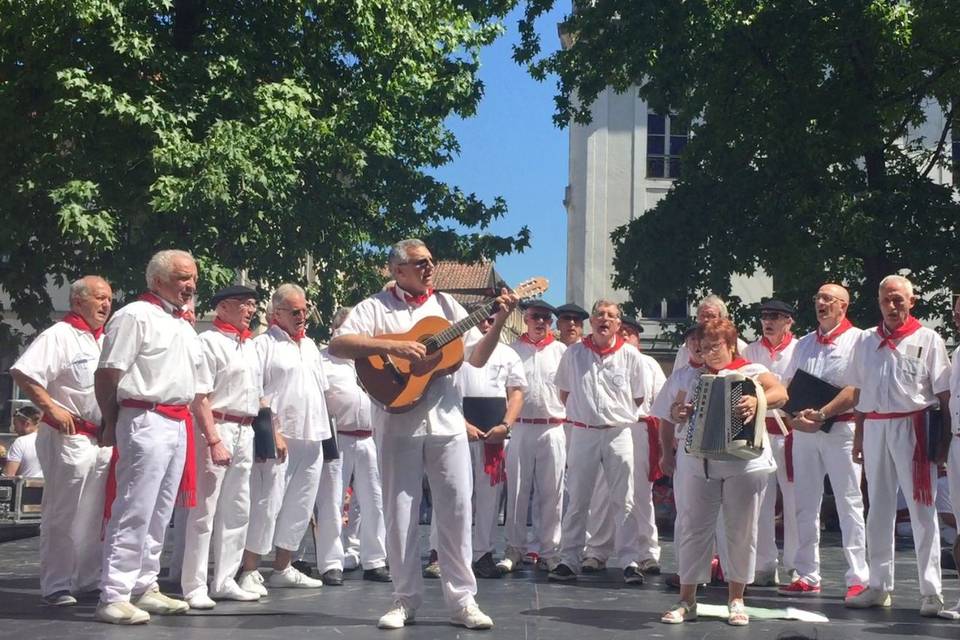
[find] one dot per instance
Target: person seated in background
(22, 458)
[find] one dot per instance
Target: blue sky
(512, 149)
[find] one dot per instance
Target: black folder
(934, 424)
(484, 413)
(807, 391)
(330, 449)
(264, 445)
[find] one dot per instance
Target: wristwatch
(504, 424)
(820, 415)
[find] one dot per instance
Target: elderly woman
(710, 487)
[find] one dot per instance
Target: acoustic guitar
(398, 384)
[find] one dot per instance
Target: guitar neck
(456, 330)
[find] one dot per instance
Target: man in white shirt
(228, 400)
(900, 369)
(826, 353)
(146, 379)
(22, 459)
(602, 382)
(429, 437)
(570, 319)
(710, 308)
(56, 373)
(953, 459)
(283, 490)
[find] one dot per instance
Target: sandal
(679, 613)
(738, 614)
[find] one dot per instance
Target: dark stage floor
(523, 605)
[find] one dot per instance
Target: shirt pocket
(81, 372)
(910, 370)
(614, 379)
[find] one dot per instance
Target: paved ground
(523, 605)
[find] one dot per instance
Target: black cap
(539, 304)
(233, 291)
(778, 306)
(573, 309)
(630, 321)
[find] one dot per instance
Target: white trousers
(953, 475)
(328, 517)
(351, 531)
(359, 461)
(536, 459)
(608, 450)
(767, 552)
(151, 450)
(404, 456)
(282, 497)
(486, 503)
(641, 530)
(699, 507)
(221, 514)
(74, 476)
(816, 454)
(888, 461)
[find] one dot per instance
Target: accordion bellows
(716, 431)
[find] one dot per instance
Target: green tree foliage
(254, 134)
(805, 160)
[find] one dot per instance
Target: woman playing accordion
(708, 487)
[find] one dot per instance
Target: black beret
(632, 322)
(233, 291)
(539, 304)
(573, 309)
(778, 306)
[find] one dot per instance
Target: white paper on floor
(790, 613)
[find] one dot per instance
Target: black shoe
(303, 567)
(432, 570)
(633, 575)
(332, 578)
(485, 567)
(562, 573)
(380, 574)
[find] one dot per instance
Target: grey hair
(400, 251)
(603, 302)
(161, 264)
(339, 317)
(283, 292)
(717, 303)
(80, 288)
(897, 279)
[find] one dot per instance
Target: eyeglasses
(826, 298)
(296, 313)
(712, 348)
(422, 263)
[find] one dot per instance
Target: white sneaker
(512, 559)
(153, 601)
(120, 613)
(472, 618)
(397, 617)
(931, 606)
(869, 598)
(950, 614)
(232, 591)
(252, 581)
(290, 578)
(351, 562)
(200, 600)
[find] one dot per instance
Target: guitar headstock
(532, 288)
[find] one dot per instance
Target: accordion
(716, 431)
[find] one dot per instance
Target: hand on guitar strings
(408, 349)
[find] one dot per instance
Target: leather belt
(357, 433)
(243, 421)
(541, 420)
(581, 425)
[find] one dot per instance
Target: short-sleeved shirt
(899, 380)
(602, 389)
(347, 402)
(294, 382)
(654, 381)
(955, 393)
(24, 451)
(230, 373)
(829, 362)
(775, 361)
(682, 379)
(63, 360)
(158, 354)
(503, 371)
(440, 411)
(541, 399)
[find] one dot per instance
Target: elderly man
(145, 411)
(773, 350)
(826, 354)
(283, 490)
(228, 399)
(953, 460)
(56, 373)
(430, 436)
(901, 371)
(710, 308)
(570, 318)
(602, 381)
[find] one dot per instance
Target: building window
(666, 139)
(668, 309)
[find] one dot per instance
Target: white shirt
(776, 362)
(440, 411)
(683, 379)
(230, 373)
(157, 354)
(602, 390)
(24, 451)
(653, 383)
(955, 392)
(503, 371)
(62, 360)
(829, 362)
(541, 399)
(347, 402)
(294, 381)
(899, 380)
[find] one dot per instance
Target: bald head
(92, 298)
(831, 303)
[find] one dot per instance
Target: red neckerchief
(831, 336)
(295, 337)
(153, 298)
(229, 329)
(774, 350)
(737, 363)
(411, 299)
(603, 351)
(80, 323)
(547, 339)
(891, 339)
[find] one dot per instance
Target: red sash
(922, 491)
(653, 448)
(85, 427)
(494, 462)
